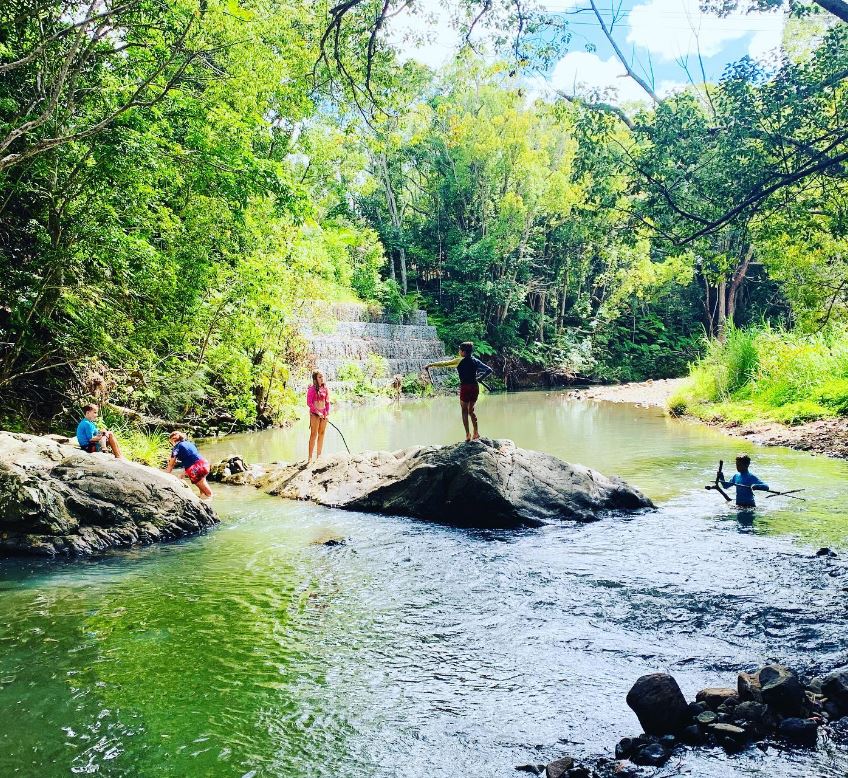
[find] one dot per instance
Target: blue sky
(655, 34)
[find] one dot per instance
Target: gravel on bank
(647, 394)
(828, 437)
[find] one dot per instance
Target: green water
(414, 648)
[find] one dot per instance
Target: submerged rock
(485, 483)
(56, 500)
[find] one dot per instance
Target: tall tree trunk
(394, 214)
(721, 314)
(542, 316)
(738, 277)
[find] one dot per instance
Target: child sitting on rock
(90, 438)
(745, 482)
(185, 454)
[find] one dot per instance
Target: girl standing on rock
(471, 370)
(185, 454)
(318, 400)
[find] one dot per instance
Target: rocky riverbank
(771, 707)
(58, 501)
(485, 483)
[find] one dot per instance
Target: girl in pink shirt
(318, 400)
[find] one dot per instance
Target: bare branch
(618, 52)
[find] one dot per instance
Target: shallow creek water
(415, 648)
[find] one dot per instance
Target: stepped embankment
(341, 336)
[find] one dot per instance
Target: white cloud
(424, 32)
(587, 75)
(671, 29)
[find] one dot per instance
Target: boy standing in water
(745, 482)
(471, 370)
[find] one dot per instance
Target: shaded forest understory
(178, 180)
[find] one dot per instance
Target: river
(415, 648)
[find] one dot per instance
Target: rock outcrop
(485, 483)
(56, 500)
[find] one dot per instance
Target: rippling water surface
(417, 649)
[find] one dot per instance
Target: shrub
(833, 394)
(799, 412)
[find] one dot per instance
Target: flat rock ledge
(485, 483)
(58, 501)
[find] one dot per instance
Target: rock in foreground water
(485, 483)
(659, 704)
(56, 500)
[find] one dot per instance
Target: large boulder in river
(659, 704)
(56, 500)
(484, 483)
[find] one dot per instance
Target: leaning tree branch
(620, 54)
(762, 191)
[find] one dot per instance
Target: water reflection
(416, 647)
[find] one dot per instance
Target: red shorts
(468, 393)
(198, 470)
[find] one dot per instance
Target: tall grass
(768, 374)
(149, 448)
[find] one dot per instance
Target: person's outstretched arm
(447, 363)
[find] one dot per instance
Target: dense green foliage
(178, 179)
(765, 374)
(160, 261)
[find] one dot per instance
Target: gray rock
(697, 707)
(781, 689)
(235, 472)
(56, 500)
(485, 483)
(706, 718)
(659, 704)
(559, 768)
(835, 687)
(802, 732)
(729, 735)
(692, 735)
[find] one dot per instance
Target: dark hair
(744, 460)
(315, 374)
(89, 407)
(466, 346)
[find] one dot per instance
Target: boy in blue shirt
(90, 438)
(745, 482)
